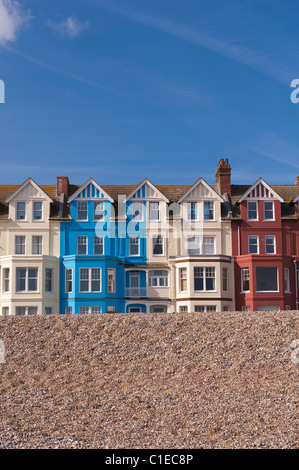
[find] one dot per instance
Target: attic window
(21, 210)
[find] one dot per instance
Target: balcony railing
(136, 292)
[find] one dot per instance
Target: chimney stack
(223, 177)
(297, 180)
(62, 186)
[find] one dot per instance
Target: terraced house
(96, 248)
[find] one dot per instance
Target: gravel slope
(149, 381)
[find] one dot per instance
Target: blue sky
(122, 90)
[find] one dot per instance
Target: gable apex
(260, 190)
(29, 190)
(146, 190)
(204, 189)
(90, 190)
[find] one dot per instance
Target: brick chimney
(297, 180)
(223, 177)
(62, 186)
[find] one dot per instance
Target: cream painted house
(29, 249)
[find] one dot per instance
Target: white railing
(136, 292)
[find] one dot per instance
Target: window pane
(37, 245)
(192, 210)
(251, 210)
(20, 245)
(82, 245)
(98, 245)
(82, 210)
(137, 211)
(268, 210)
(194, 245)
(134, 246)
(208, 210)
(154, 211)
(270, 244)
(98, 210)
(266, 279)
(21, 210)
(158, 245)
(252, 244)
(37, 210)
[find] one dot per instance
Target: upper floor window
(82, 210)
(48, 280)
(158, 278)
(158, 245)
(266, 279)
(268, 210)
(82, 244)
(198, 245)
(209, 213)
(286, 277)
(225, 279)
(98, 210)
(154, 211)
(270, 244)
(137, 211)
(68, 280)
(20, 245)
(134, 246)
(183, 279)
(253, 247)
(252, 210)
(98, 245)
(111, 280)
(21, 210)
(37, 210)
(192, 210)
(90, 279)
(37, 245)
(5, 279)
(26, 279)
(204, 279)
(245, 279)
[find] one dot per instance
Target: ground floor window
(183, 309)
(26, 310)
(68, 310)
(86, 310)
(245, 308)
(5, 311)
(158, 309)
(111, 308)
(268, 308)
(205, 308)
(134, 309)
(48, 310)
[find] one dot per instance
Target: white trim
(257, 244)
(274, 245)
(29, 180)
(207, 186)
(90, 180)
(153, 187)
(260, 180)
(89, 280)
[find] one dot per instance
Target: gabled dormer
(201, 202)
(146, 195)
(90, 203)
(260, 203)
(29, 203)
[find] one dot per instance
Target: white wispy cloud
(70, 27)
(235, 51)
(13, 17)
(275, 148)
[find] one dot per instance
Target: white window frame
(47, 270)
(137, 206)
(37, 246)
(183, 308)
(277, 279)
(37, 211)
(6, 280)
(274, 244)
(205, 308)
(100, 213)
(26, 310)
(91, 309)
(5, 311)
(183, 276)
(23, 245)
(134, 237)
(225, 279)
(100, 242)
(153, 211)
(256, 238)
(273, 215)
(158, 283)
(82, 237)
(21, 210)
(205, 271)
(201, 244)
(111, 283)
(90, 279)
(27, 278)
(68, 310)
(250, 210)
(245, 276)
(82, 210)
(192, 209)
(211, 208)
(286, 279)
(68, 280)
(160, 238)
(49, 312)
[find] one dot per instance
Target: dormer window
(154, 211)
(209, 210)
(252, 210)
(137, 211)
(268, 210)
(37, 211)
(192, 210)
(82, 210)
(21, 210)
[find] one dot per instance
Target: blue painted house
(91, 261)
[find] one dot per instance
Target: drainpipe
(239, 247)
(296, 282)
